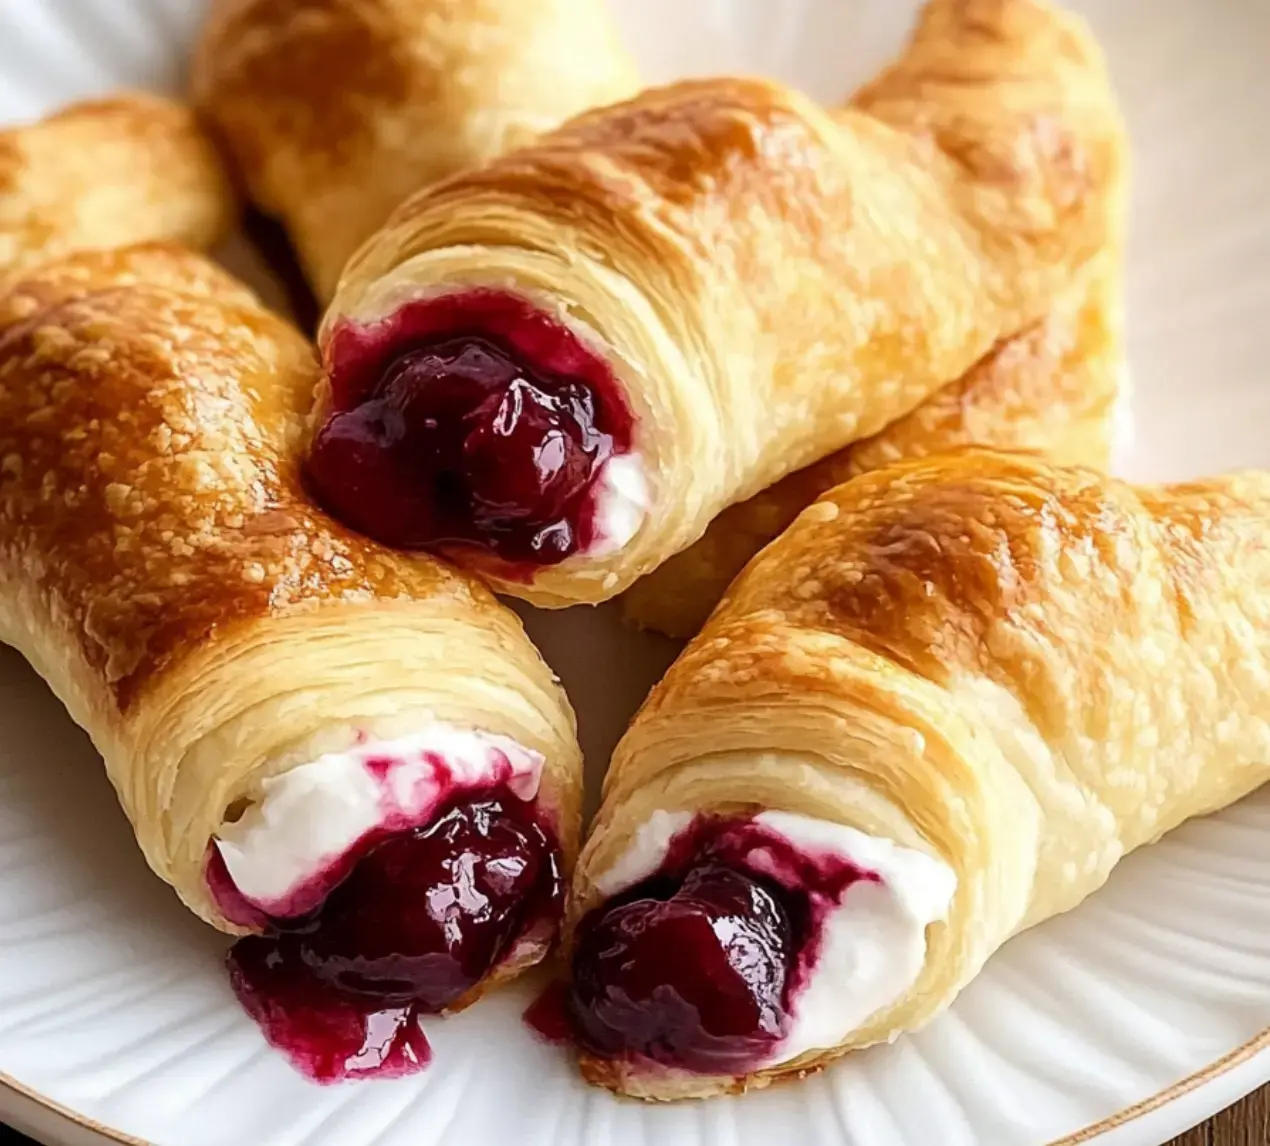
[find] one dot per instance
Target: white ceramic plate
(1132, 1018)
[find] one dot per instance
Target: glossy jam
(698, 966)
(470, 419)
(419, 920)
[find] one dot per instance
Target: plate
(1122, 1023)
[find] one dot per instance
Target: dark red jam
(697, 967)
(418, 920)
(470, 419)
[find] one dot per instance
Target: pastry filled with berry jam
(724, 946)
(386, 882)
(474, 421)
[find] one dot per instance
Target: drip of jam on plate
(697, 967)
(470, 419)
(419, 920)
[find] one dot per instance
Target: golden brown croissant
(558, 368)
(336, 110)
(105, 173)
(281, 705)
(1053, 388)
(936, 711)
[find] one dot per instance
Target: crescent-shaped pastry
(557, 369)
(1054, 388)
(336, 110)
(937, 710)
(304, 728)
(131, 168)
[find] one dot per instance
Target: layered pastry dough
(105, 173)
(736, 281)
(1015, 671)
(335, 110)
(164, 571)
(1054, 388)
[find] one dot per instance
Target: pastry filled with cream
(557, 367)
(930, 715)
(475, 421)
(732, 944)
(353, 759)
(387, 880)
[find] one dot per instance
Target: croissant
(936, 711)
(557, 369)
(105, 173)
(334, 111)
(1054, 388)
(300, 724)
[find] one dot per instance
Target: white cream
(872, 943)
(308, 817)
(622, 501)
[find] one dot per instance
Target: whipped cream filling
(280, 852)
(872, 943)
(622, 499)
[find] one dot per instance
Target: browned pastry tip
(130, 168)
(335, 110)
(928, 563)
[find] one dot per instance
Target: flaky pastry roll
(558, 368)
(937, 710)
(103, 173)
(359, 754)
(336, 110)
(1054, 388)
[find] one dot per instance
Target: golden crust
(1052, 388)
(1026, 669)
(166, 266)
(336, 110)
(132, 168)
(209, 511)
(770, 282)
(163, 568)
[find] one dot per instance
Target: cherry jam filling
(699, 966)
(471, 419)
(419, 920)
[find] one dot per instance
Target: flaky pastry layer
(770, 281)
(163, 569)
(336, 110)
(1054, 388)
(1025, 669)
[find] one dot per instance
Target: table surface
(1247, 1123)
